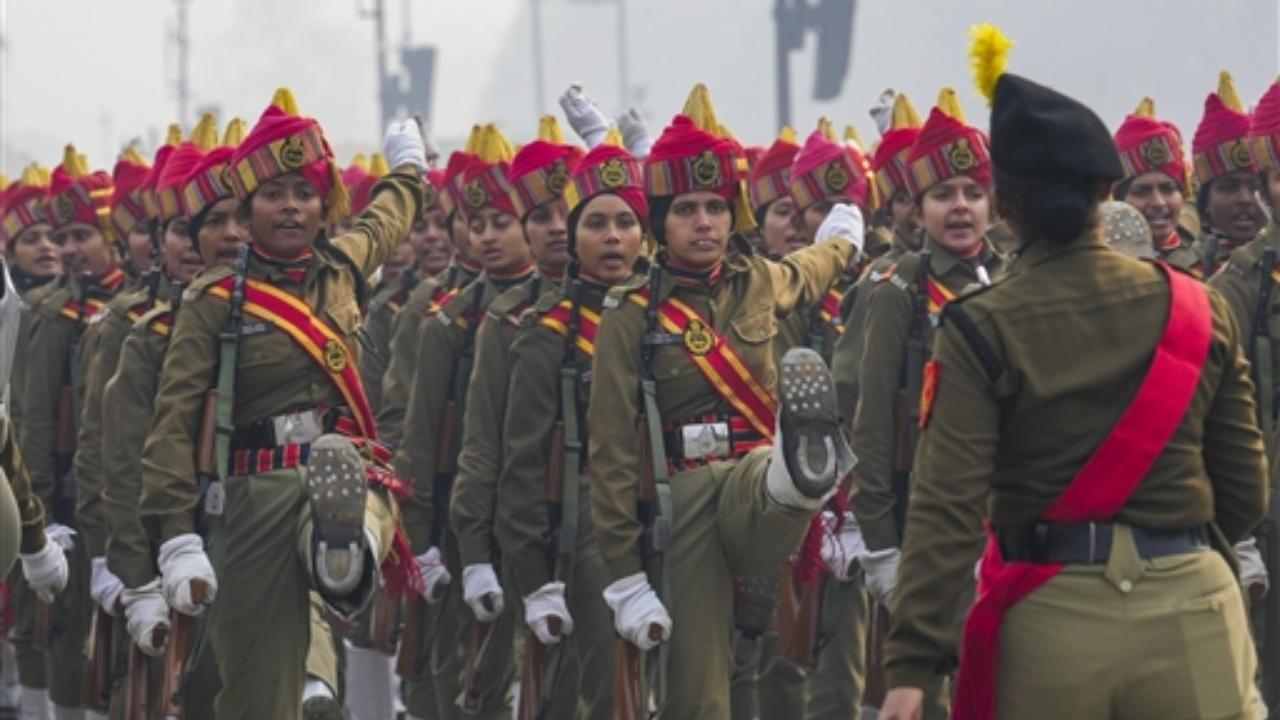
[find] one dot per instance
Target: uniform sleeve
(874, 427)
(614, 450)
(30, 509)
(397, 378)
(169, 486)
(100, 365)
(397, 201)
(803, 277)
(1241, 293)
(416, 456)
(944, 519)
(472, 504)
(846, 358)
(130, 394)
(46, 375)
(1233, 449)
(374, 351)
(524, 527)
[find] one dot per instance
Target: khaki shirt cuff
(912, 674)
(175, 524)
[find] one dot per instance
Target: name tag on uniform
(256, 328)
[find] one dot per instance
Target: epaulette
(619, 292)
(208, 278)
(54, 300)
(157, 320)
(455, 311)
(127, 304)
(511, 303)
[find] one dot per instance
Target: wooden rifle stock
(137, 699)
(533, 672)
(96, 690)
(476, 646)
(42, 636)
(555, 465)
(631, 702)
(877, 632)
(385, 622)
(798, 613)
(411, 660)
(64, 438)
(177, 654)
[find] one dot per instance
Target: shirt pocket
(753, 336)
(345, 317)
(263, 349)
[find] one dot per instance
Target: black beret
(1041, 135)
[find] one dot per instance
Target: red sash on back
(557, 320)
(1098, 491)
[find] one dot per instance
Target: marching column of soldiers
(962, 423)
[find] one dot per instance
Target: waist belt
(1090, 543)
(697, 441)
(281, 442)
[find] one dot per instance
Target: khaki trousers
(724, 527)
(835, 685)
(1165, 638)
(269, 633)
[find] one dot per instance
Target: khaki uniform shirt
(1072, 332)
(473, 503)
(397, 379)
(375, 335)
(47, 371)
(847, 355)
(443, 338)
(743, 307)
(273, 375)
(890, 306)
(130, 394)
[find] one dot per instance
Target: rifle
(137, 699)
(877, 632)
(412, 658)
(533, 669)
(206, 465)
(798, 613)
(477, 645)
(907, 401)
(629, 696)
(45, 631)
(1268, 532)
(384, 622)
(95, 693)
(178, 654)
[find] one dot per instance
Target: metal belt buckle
(701, 440)
(297, 428)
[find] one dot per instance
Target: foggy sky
(99, 72)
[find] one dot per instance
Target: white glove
(635, 608)
(105, 587)
(403, 145)
(479, 582)
(145, 611)
(881, 569)
(841, 547)
(1253, 572)
(182, 560)
(435, 576)
(844, 222)
(882, 111)
(543, 604)
(635, 133)
(583, 116)
(61, 534)
(46, 569)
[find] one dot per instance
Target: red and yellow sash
(557, 319)
(829, 310)
(440, 299)
(1099, 490)
(326, 347)
(718, 362)
(938, 294)
(73, 310)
